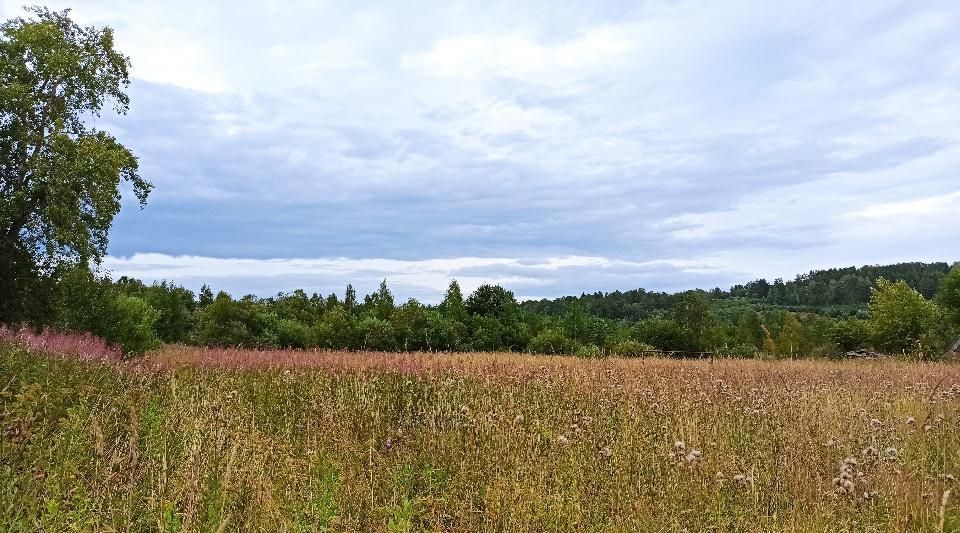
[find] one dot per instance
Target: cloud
(426, 279)
(943, 207)
(477, 57)
(746, 138)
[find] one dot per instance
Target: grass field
(203, 440)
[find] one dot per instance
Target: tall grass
(218, 440)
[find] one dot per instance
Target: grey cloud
(715, 121)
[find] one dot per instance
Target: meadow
(192, 439)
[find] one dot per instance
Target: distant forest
(908, 308)
(836, 292)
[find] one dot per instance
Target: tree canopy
(59, 177)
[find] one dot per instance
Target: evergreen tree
(380, 303)
(452, 306)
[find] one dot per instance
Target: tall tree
(899, 316)
(691, 312)
(350, 299)
(790, 341)
(59, 177)
(492, 301)
(380, 304)
(452, 306)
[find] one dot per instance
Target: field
(205, 440)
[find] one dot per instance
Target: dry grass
(213, 440)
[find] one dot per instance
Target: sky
(552, 147)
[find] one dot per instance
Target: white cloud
(425, 278)
(477, 57)
(944, 207)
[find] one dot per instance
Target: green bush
(630, 348)
(741, 351)
(551, 341)
(899, 317)
(133, 325)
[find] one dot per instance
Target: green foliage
(742, 351)
(376, 334)
(87, 302)
(486, 334)
(551, 341)
(749, 329)
(226, 322)
(850, 334)
(452, 306)
(336, 331)
(133, 328)
(176, 305)
(659, 331)
(380, 304)
(290, 333)
(60, 179)
(588, 351)
(899, 317)
(630, 348)
(792, 338)
(492, 301)
(694, 321)
(442, 333)
(949, 295)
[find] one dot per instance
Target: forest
(907, 308)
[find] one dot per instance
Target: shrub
(630, 348)
(551, 341)
(899, 316)
(742, 351)
(291, 334)
(850, 334)
(133, 325)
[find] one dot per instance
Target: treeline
(897, 319)
(835, 292)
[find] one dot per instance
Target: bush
(133, 325)
(226, 322)
(551, 341)
(899, 317)
(630, 348)
(745, 351)
(291, 334)
(850, 334)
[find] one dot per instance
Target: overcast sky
(552, 147)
